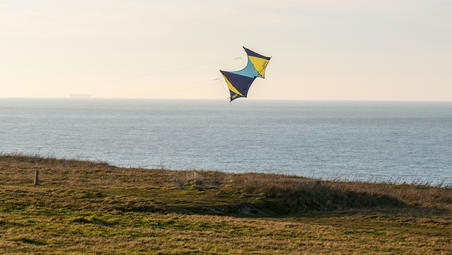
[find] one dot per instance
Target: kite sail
(239, 82)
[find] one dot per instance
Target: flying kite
(239, 82)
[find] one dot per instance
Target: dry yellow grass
(86, 207)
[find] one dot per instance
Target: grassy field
(87, 207)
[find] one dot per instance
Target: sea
(396, 142)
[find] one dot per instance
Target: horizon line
(226, 99)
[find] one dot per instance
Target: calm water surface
(377, 141)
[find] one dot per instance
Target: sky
(388, 50)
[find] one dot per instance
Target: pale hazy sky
(321, 49)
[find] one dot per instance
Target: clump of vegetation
(83, 206)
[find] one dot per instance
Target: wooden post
(36, 177)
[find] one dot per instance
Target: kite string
(193, 85)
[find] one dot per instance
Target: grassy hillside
(87, 207)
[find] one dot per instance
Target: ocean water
(371, 141)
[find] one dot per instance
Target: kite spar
(239, 82)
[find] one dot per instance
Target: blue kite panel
(248, 71)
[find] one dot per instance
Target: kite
(239, 82)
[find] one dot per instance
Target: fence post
(36, 177)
